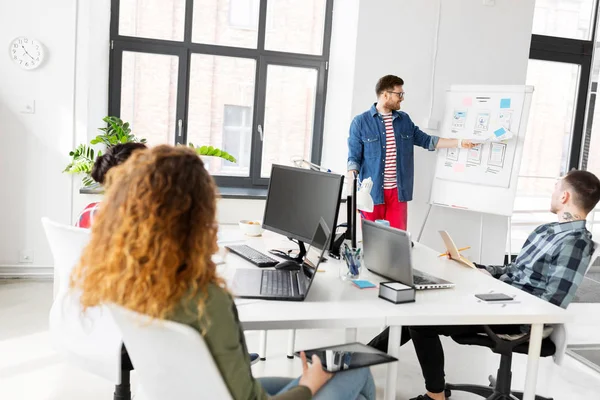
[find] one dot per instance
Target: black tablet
(348, 356)
(494, 297)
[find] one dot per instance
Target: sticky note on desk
(363, 284)
(504, 103)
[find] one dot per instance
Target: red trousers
(394, 211)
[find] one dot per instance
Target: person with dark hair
(114, 155)
(551, 266)
(151, 251)
(381, 147)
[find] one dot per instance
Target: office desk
(333, 303)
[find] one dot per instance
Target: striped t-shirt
(389, 174)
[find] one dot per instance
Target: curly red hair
(154, 236)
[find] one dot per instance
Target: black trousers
(428, 347)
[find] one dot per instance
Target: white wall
(35, 147)
(477, 45)
(91, 89)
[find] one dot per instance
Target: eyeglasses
(400, 94)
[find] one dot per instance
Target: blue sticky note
(363, 284)
(499, 132)
(505, 103)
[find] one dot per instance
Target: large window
(247, 76)
(559, 69)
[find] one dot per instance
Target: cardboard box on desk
(396, 292)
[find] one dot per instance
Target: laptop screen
(313, 256)
(387, 252)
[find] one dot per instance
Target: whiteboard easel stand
(509, 238)
(497, 197)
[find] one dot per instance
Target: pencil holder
(352, 266)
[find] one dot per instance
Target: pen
(459, 250)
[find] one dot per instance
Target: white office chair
(89, 340)
(171, 359)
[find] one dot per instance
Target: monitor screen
(299, 198)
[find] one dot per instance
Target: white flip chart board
(482, 179)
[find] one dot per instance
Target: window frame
(571, 51)
(262, 57)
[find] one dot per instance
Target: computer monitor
(298, 199)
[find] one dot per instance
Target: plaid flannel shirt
(552, 263)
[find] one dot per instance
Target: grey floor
(31, 370)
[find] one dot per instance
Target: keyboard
(276, 282)
(254, 256)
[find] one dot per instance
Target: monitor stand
(299, 258)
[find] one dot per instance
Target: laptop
(387, 252)
(274, 284)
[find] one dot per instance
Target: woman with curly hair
(151, 251)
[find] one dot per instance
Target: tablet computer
(348, 356)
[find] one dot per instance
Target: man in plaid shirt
(551, 265)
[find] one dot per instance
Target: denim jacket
(366, 150)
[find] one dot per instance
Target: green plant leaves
(83, 157)
(115, 132)
(211, 151)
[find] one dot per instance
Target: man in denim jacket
(381, 146)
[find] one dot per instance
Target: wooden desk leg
(533, 360)
(392, 368)
(262, 352)
(351, 334)
(291, 342)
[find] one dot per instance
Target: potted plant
(115, 132)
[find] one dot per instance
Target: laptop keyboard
(275, 282)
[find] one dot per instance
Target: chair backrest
(559, 334)
(66, 244)
(595, 255)
(171, 359)
(90, 340)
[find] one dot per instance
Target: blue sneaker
(254, 358)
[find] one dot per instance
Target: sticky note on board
(459, 167)
(468, 101)
(363, 284)
(505, 103)
(499, 132)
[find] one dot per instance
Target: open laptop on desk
(387, 252)
(281, 284)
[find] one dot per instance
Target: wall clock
(26, 52)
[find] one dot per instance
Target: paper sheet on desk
(218, 258)
(230, 237)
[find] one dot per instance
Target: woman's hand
(313, 376)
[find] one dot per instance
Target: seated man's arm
(494, 270)
(567, 270)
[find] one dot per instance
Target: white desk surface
(333, 303)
